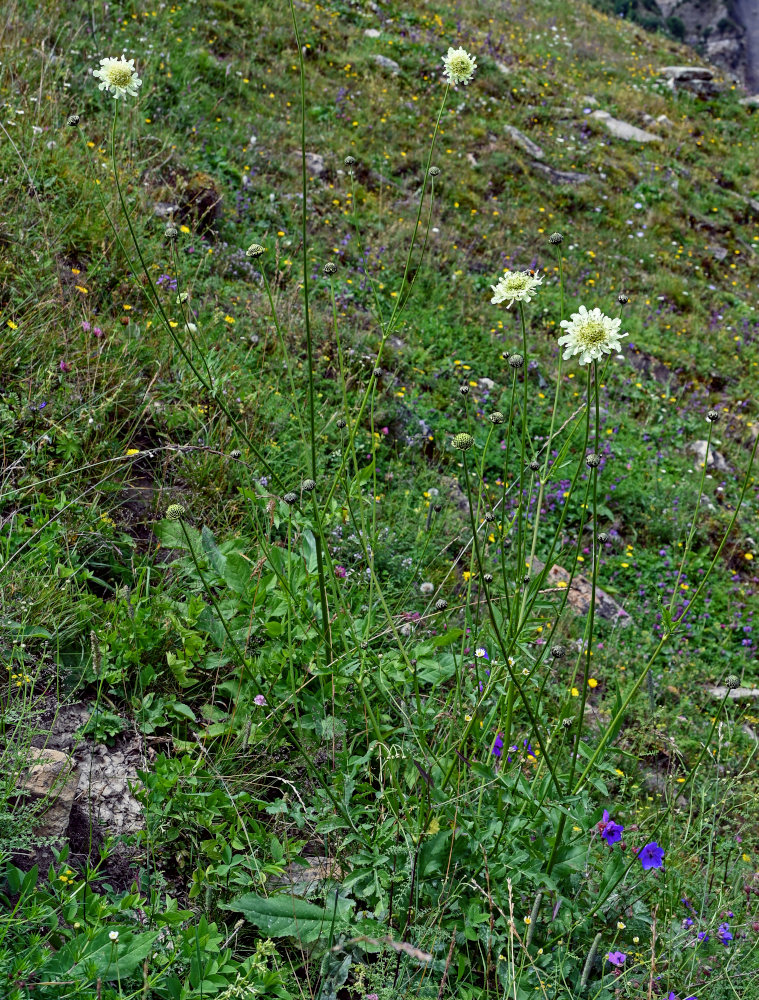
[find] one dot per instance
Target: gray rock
(697, 80)
(623, 130)
(590, 101)
(389, 64)
(372, 33)
(580, 594)
(164, 209)
(750, 102)
(522, 141)
(714, 460)
(560, 176)
(734, 694)
(663, 120)
(51, 779)
(487, 383)
(682, 74)
(315, 164)
(503, 68)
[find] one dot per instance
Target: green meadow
(378, 508)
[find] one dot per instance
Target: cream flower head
(459, 66)
(515, 286)
(591, 335)
(118, 76)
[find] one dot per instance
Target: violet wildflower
(617, 958)
(497, 747)
(703, 936)
(687, 923)
(259, 700)
(610, 831)
(341, 571)
(652, 856)
(724, 933)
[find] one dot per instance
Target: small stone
(388, 64)
(372, 33)
(715, 460)
(525, 143)
(51, 778)
(315, 164)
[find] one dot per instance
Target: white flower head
(427, 587)
(515, 286)
(591, 335)
(459, 66)
(114, 935)
(118, 76)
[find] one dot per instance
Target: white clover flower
(591, 335)
(118, 76)
(459, 66)
(515, 286)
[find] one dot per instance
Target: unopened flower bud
(341, 424)
(434, 171)
(516, 360)
(732, 682)
(171, 232)
(496, 417)
(593, 461)
(555, 239)
(712, 416)
(235, 453)
(308, 485)
(622, 299)
(463, 442)
(73, 120)
(557, 652)
(490, 517)
(330, 267)
(255, 250)
(437, 507)
(349, 161)
(174, 511)
(464, 390)
(441, 605)
(534, 465)
(603, 538)
(377, 373)
(290, 498)
(487, 577)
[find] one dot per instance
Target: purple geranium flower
(617, 958)
(652, 856)
(610, 831)
(724, 933)
(497, 746)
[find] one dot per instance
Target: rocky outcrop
(725, 32)
(699, 80)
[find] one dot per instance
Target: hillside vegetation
(386, 652)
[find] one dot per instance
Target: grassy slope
(663, 222)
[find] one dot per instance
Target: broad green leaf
(287, 916)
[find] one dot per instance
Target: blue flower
(617, 958)
(724, 933)
(497, 746)
(652, 856)
(610, 831)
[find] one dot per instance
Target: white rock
(623, 130)
(682, 73)
(750, 102)
(315, 164)
(715, 460)
(524, 142)
(372, 33)
(389, 64)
